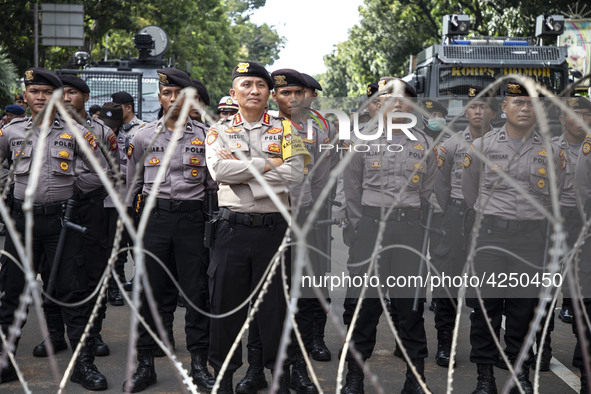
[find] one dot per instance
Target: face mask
(436, 124)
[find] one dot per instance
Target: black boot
(300, 381)
(354, 379)
(486, 380)
(523, 379)
(226, 386)
(128, 286)
(8, 373)
(99, 348)
(443, 348)
(167, 321)
(55, 326)
(585, 387)
(145, 374)
(85, 372)
(566, 312)
(319, 350)
(283, 381)
(199, 372)
(411, 385)
(254, 379)
(114, 295)
(546, 356)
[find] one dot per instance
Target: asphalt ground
(390, 371)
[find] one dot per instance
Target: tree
(8, 79)
(390, 31)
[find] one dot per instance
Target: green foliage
(390, 31)
(8, 79)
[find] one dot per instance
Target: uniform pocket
(62, 162)
(415, 171)
(152, 164)
(539, 179)
(22, 158)
(194, 167)
(375, 171)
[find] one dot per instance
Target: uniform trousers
(449, 257)
(518, 304)
(176, 239)
(584, 273)
(241, 254)
(395, 262)
(71, 280)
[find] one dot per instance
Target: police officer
(57, 183)
(131, 124)
(512, 223)
(449, 254)
(251, 227)
(13, 111)
(227, 107)
(375, 181)
(582, 107)
(434, 123)
(175, 228)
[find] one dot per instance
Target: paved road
(390, 370)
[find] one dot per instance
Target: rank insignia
(274, 130)
(543, 152)
(467, 161)
(129, 150)
(418, 146)
(541, 183)
(326, 140)
(91, 140)
(154, 161)
(196, 141)
(113, 142)
(305, 170)
(29, 75)
(376, 164)
(232, 130)
(440, 161)
(195, 161)
(211, 137)
(416, 178)
(280, 80)
(194, 172)
(586, 147)
(266, 119)
(65, 136)
(64, 153)
(443, 149)
(242, 67)
(542, 171)
(64, 165)
(237, 118)
(274, 148)
(163, 79)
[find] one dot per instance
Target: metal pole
(36, 33)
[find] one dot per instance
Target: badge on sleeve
(467, 161)
(130, 150)
(113, 143)
(586, 147)
(440, 161)
(211, 137)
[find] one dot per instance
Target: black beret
(474, 91)
(202, 90)
(94, 109)
(122, 98)
(42, 76)
(112, 115)
(174, 77)
(74, 82)
(252, 69)
(14, 109)
(386, 85)
(433, 106)
(288, 77)
(312, 83)
(578, 102)
(372, 88)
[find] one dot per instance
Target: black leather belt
(397, 214)
(571, 213)
(512, 225)
(251, 219)
(41, 209)
(178, 205)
